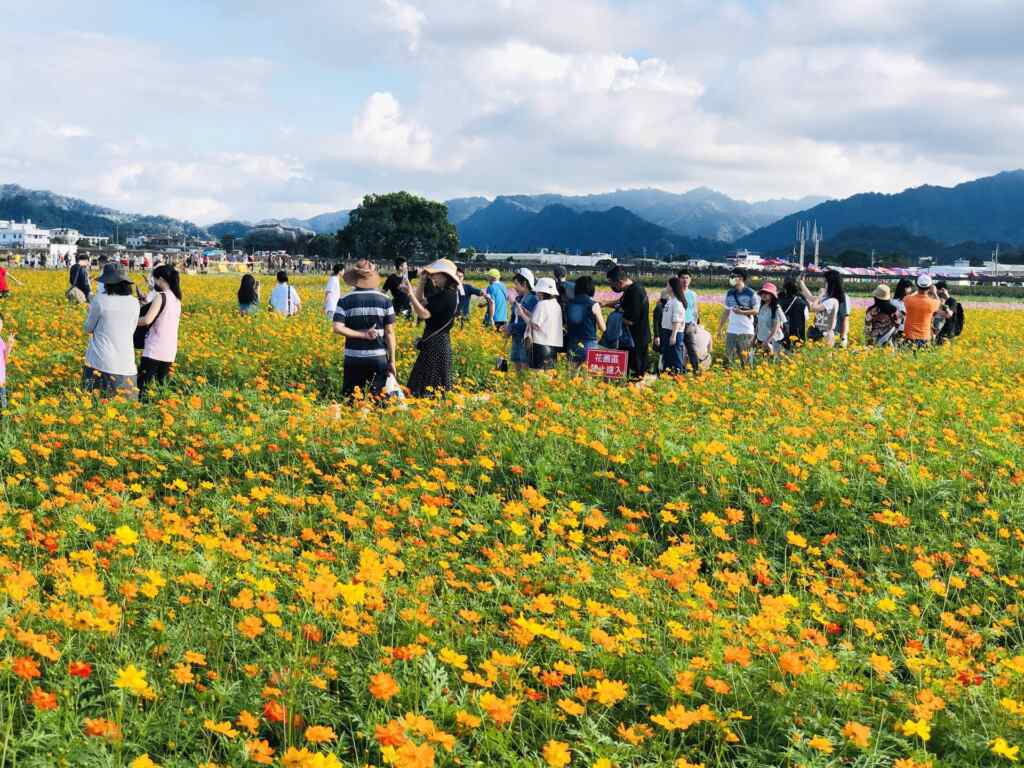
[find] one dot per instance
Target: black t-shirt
(795, 308)
(442, 306)
(399, 298)
(636, 310)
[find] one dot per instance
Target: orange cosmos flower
(80, 669)
(42, 700)
(857, 734)
(274, 712)
(609, 692)
(103, 728)
(259, 751)
(316, 734)
(791, 663)
(556, 754)
(251, 626)
(412, 756)
(383, 686)
(26, 668)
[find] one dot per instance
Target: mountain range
(990, 208)
(508, 225)
(52, 211)
(701, 212)
(977, 214)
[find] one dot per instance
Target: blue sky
(251, 108)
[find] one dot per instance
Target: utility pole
(816, 238)
(801, 237)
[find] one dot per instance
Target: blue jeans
(672, 354)
(577, 350)
(3, 398)
(518, 352)
(109, 384)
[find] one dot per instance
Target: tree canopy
(398, 224)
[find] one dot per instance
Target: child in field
(5, 351)
(4, 277)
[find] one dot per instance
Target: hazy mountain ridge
(507, 225)
(701, 212)
(50, 211)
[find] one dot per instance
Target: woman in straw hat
(366, 318)
(882, 319)
(435, 301)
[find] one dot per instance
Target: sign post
(610, 363)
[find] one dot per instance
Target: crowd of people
(543, 318)
(548, 317)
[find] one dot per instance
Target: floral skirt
(432, 371)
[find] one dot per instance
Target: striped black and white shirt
(362, 309)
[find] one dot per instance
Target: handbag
(392, 388)
(141, 331)
(421, 342)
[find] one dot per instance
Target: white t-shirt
(111, 321)
(285, 299)
(825, 318)
(674, 313)
(546, 323)
(743, 324)
(332, 294)
(901, 312)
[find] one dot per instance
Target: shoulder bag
(141, 331)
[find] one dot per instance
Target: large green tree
(398, 224)
(322, 247)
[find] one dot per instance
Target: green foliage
(399, 224)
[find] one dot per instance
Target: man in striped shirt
(366, 318)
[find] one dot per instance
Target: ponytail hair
(676, 286)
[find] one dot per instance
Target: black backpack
(958, 319)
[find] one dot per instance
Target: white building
(25, 236)
(745, 258)
(94, 241)
(136, 241)
(565, 259)
(64, 236)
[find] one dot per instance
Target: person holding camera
(435, 300)
(395, 283)
(365, 316)
(741, 307)
(920, 308)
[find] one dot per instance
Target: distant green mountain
(461, 208)
(701, 212)
(237, 229)
(50, 211)
(895, 246)
(507, 225)
(987, 209)
(323, 224)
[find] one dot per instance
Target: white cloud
(407, 19)
(65, 130)
(382, 136)
(499, 96)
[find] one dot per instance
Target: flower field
(817, 564)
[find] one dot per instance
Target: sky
(246, 109)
